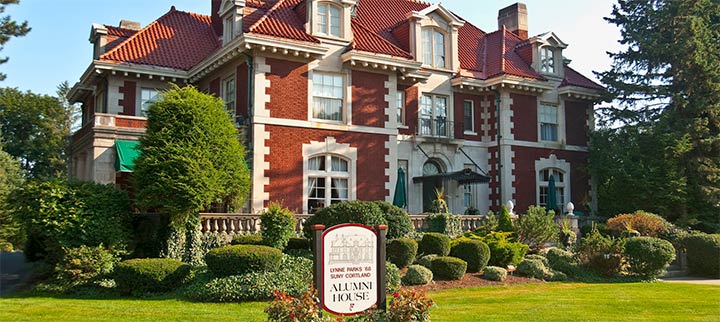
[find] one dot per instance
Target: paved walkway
(692, 280)
(13, 271)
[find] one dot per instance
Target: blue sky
(57, 48)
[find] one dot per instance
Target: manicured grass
(534, 302)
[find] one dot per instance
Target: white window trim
(139, 102)
(347, 96)
(449, 114)
(561, 139)
(553, 162)
(553, 51)
(403, 109)
(446, 44)
(472, 118)
(328, 33)
(223, 92)
(331, 147)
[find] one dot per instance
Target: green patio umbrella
(551, 196)
(400, 198)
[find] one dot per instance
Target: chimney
(515, 19)
(217, 23)
(132, 25)
(98, 37)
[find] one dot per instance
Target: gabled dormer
(330, 19)
(547, 54)
(231, 14)
(433, 34)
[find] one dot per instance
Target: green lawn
(536, 302)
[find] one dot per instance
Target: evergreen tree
(9, 28)
(504, 221)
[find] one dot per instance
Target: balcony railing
(437, 127)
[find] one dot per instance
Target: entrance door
(430, 185)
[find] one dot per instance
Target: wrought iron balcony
(438, 127)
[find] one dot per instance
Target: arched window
(328, 19)
(433, 47)
(328, 177)
(431, 167)
(544, 189)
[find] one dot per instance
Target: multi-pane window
(328, 179)
(328, 96)
(544, 190)
(468, 116)
(229, 96)
(547, 60)
(328, 19)
(400, 104)
(433, 47)
(228, 29)
(548, 123)
(433, 116)
(147, 97)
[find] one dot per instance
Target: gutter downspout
(498, 136)
(250, 61)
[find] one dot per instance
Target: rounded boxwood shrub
(532, 268)
(142, 275)
(434, 243)
(398, 220)
(538, 257)
(240, 259)
(474, 252)
(253, 239)
(448, 268)
(417, 275)
(426, 261)
(648, 256)
(402, 251)
(703, 255)
(563, 261)
(278, 225)
(494, 273)
(359, 212)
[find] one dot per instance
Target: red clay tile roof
(116, 36)
(282, 21)
(177, 40)
(502, 59)
(366, 40)
(573, 78)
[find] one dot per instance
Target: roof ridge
(136, 34)
(357, 22)
(267, 14)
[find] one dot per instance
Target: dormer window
(329, 20)
(547, 60)
(433, 47)
(229, 29)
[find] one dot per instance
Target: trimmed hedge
(241, 259)
(703, 255)
(447, 224)
(417, 275)
(253, 239)
(494, 273)
(434, 243)
(474, 252)
(448, 268)
(398, 220)
(426, 261)
(137, 276)
(648, 256)
(359, 212)
(402, 251)
(278, 225)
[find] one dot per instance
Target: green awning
(127, 152)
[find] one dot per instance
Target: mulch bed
(473, 280)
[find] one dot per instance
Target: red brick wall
(368, 99)
(411, 109)
(459, 101)
(576, 117)
(241, 90)
(215, 87)
(288, 89)
(492, 121)
(286, 164)
(493, 172)
(525, 117)
(525, 189)
(137, 124)
(128, 90)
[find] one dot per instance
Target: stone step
(674, 273)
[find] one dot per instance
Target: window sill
(328, 121)
(437, 69)
(470, 133)
(404, 127)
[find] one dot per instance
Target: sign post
(349, 267)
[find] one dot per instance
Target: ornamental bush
(494, 273)
(474, 252)
(644, 223)
(278, 225)
(448, 268)
(563, 261)
(298, 243)
(359, 212)
(503, 250)
(398, 220)
(250, 239)
(294, 277)
(601, 254)
(84, 264)
(434, 243)
(537, 227)
(417, 275)
(402, 251)
(138, 276)
(392, 278)
(647, 256)
(538, 257)
(444, 223)
(532, 268)
(240, 259)
(703, 255)
(426, 261)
